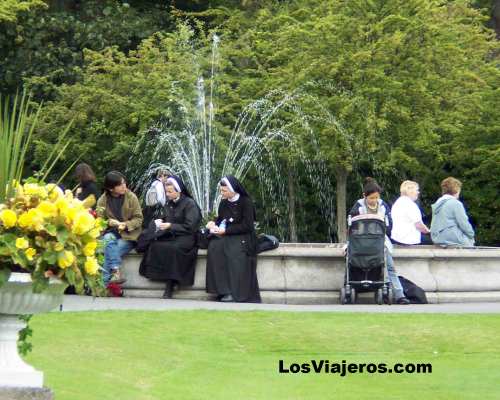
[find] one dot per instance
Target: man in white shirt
(406, 216)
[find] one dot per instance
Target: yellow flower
(8, 218)
(30, 253)
(95, 233)
(47, 209)
(33, 189)
(65, 259)
(22, 243)
(89, 249)
(59, 247)
(82, 223)
(91, 266)
(54, 191)
(33, 219)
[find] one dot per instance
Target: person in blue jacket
(450, 224)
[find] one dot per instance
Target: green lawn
(235, 355)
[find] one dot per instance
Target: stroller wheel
(390, 296)
(352, 297)
(379, 297)
(342, 295)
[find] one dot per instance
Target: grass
(234, 355)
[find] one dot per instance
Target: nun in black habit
(171, 252)
(232, 257)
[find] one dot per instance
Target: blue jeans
(114, 250)
(393, 277)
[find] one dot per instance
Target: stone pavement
(86, 303)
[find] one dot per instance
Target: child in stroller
(369, 264)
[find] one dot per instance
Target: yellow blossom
(89, 249)
(22, 243)
(47, 209)
(30, 253)
(54, 191)
(33, 189)
(68, 194)
(33, 219)
(95, 233)
(65, 259)
(58, 247)
(8, 218)
(82, 223)
(91, 266)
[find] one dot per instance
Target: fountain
(201, 155)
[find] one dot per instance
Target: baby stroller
(366, 268)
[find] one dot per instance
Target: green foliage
(44, 48)
(400, 89)
(24, 345)
(10, 8)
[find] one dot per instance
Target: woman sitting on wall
(450, 224)
(232, 258)
(171, 257)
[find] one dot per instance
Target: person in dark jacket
(86, 183)
(371, 203)
(171, 255)
(450, 224)
(232, 253)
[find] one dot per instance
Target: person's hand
(164, 226)
(113, 223)
(78, 191)
(210, 225)
(220, 231)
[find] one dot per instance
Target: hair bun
(369, 179)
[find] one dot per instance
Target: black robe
(172, 254)
(232, 258)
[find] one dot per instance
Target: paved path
(86, 303)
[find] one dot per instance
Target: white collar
(236, 197)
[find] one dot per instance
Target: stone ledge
(7, 393)
(313, 274)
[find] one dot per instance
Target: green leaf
(62, 235)
(51, 229)
(4, 275)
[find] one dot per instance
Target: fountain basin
(303, 273)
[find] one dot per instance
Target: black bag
(414, 293)
(266, 243)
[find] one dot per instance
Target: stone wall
(313, 274)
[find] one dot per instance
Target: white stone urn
(17, 298)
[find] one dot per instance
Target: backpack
(414, 293)
(266, 243)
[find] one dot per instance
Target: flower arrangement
(48, 233)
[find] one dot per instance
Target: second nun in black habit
(172, 252)
(232, 258)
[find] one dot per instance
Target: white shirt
(405, 214)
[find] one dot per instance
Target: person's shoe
(116, 277)
(227, 298)
(403, 301)
(169, 288)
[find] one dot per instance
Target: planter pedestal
(14, 371)
(17, 298)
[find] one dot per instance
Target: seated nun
(171, 256)
(232, 259)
